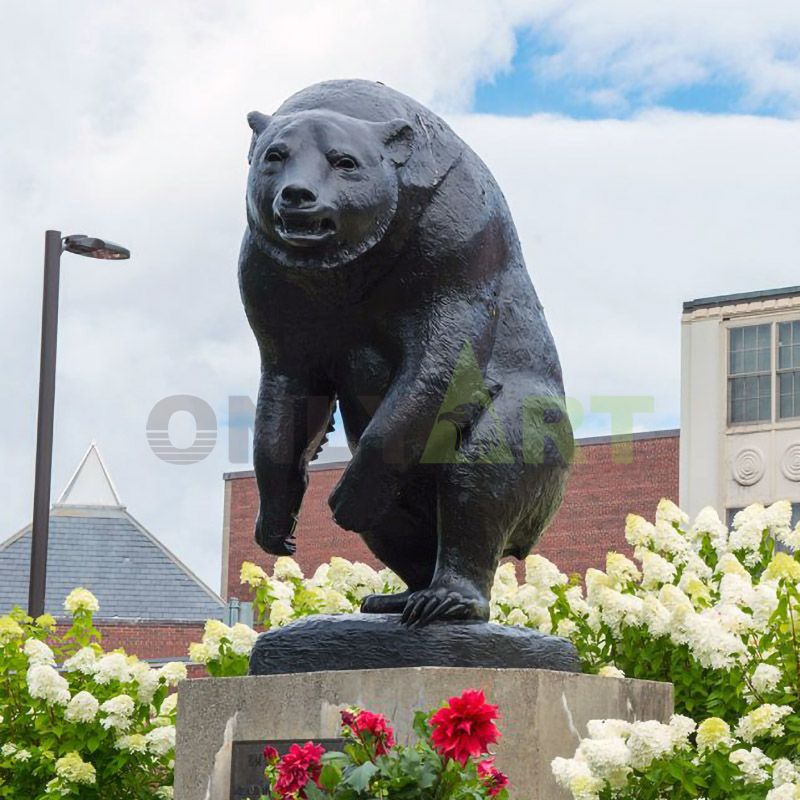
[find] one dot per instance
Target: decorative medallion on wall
(790, 463)
(748, 466)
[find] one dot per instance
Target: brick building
(151, 603)
(609, 479)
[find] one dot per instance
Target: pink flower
(492, 778)
(376, 727)
(464, 728)
(297, 767)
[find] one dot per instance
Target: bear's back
(436, 147)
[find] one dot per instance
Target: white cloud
(131, 125)
(649, 48)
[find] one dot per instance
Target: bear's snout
(295, 195)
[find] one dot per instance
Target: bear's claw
(437, 603)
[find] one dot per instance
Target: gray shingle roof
(107, 551)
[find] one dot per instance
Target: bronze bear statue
(381, 270)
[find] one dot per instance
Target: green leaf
(360, 777)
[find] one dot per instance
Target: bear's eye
(344, 162)
(274, 156)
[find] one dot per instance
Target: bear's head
(323, 187)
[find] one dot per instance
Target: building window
(788, 369)
(750, 374)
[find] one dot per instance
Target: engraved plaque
(248, 762)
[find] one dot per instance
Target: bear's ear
(258, 123)
(398, 138)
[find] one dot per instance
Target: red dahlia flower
(464, 727)
(271, 755)
(297, 767)
(376, 725)
(492, 778)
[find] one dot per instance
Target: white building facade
(740, 401)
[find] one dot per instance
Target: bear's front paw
(275, 542)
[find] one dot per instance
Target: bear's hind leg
(471, 534)
(407, 545)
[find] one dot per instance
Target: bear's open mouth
(304, 228)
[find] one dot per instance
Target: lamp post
(54, 246)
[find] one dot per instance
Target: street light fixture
(54, 246)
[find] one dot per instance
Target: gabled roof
(94, 542)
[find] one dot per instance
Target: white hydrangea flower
(518, 617)
(681, 728)
(565, 628)
(112, 667)
(764, 603)
(691, 584)
(667, 539)
(22, 755)
(543, 574)
(787, 791)
(712, 734)
(286, 568)
(252, 575)
(82, 708)
(200, 654)
(791, 538)
(392, 582)
(38, 653)
(161, 741)
(620, 568)
(655, 569)
(751, 764)
(45, 683)
(749, 525)
(609, 728)
(736, 588)
(618, 609)
(778, 517)
(766, 720)
(118, 711)
(280, 614)
(576, 600)
(9, 629)
(213, 634)
(81, 599)
(146, 679)
(565, 770)
(329, 601)
(657, 617)
(320, 577)
(281, 590)
(638, 531)
(173, 672)
(648, 741)
(668, 512)
(708, 522)
(169, 706)
(243, 637)
(766, 678)
(609, 759)
(610, 671)
(73, 769)
(784, 771)
(84, 661)
(132, 743)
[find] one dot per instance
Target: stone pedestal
(544, 714)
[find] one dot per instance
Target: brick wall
(606, 483)
(149, 639)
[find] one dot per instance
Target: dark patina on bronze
(381, 270)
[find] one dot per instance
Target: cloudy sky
(649, 152)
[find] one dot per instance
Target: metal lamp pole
(54, 245)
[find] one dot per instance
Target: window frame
(771, 372)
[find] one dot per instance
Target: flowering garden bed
(714, 611)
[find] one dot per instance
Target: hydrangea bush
(448, 761)
(76, 722)
(714, 611)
